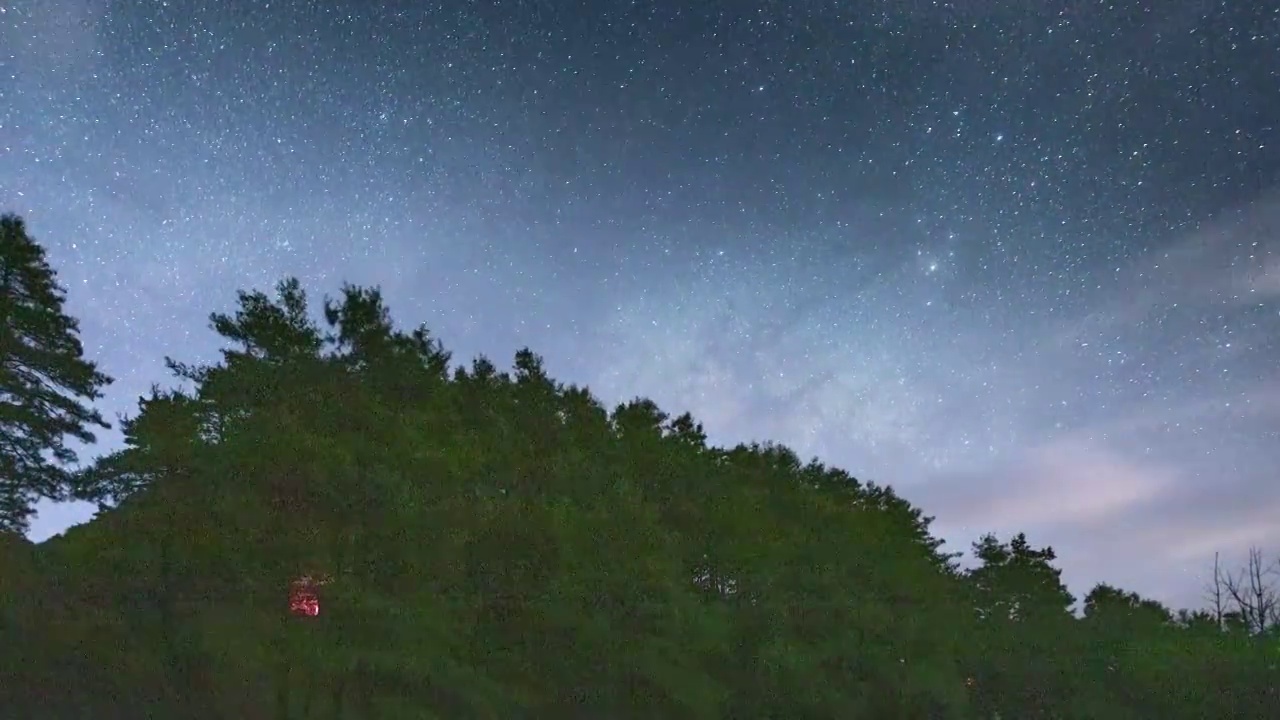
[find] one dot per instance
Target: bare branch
(1254, 592)
(1215, 593)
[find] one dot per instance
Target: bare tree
(1254, 592)
(1215, 593)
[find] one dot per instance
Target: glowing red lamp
(304, 596)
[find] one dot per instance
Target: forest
(336, 519)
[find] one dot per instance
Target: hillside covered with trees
(490, 543)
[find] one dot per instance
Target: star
(723, 221)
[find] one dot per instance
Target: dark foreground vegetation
(500, 545)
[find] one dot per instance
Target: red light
(304, 596)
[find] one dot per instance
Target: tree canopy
(495, 543)
(44, 379)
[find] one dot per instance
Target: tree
(1022, 611)
(1118, 608)
(44, 379)
(1017, 582)
(1252, 592)
(1216, 594)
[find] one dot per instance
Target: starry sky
(1018, 259)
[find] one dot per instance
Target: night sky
(1020, 260)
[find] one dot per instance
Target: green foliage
(43, 379)
(498, 544)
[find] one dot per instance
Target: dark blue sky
(1018, 259)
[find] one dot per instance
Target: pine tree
(44, 379)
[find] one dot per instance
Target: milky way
(1019, 260)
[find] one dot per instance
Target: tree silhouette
(44, 379)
